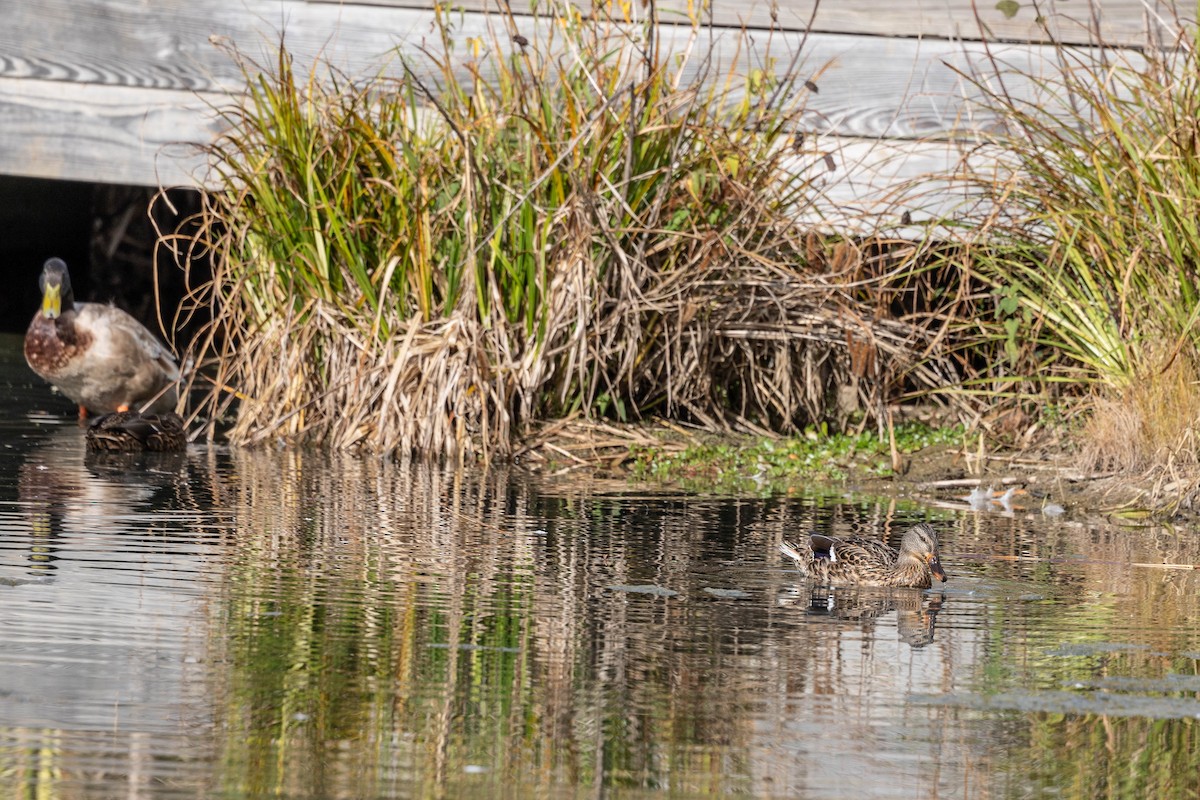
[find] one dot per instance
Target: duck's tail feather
(791, 551)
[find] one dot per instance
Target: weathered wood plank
(888, 185)
(868, 86)
(105, 90)
(1123, 22)
(108, 135)
(105, 134)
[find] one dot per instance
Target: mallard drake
(868, 562)
(132, 432)
(96, 354)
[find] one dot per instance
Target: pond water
(228, 624)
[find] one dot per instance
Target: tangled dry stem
(704, 300)
(732, 340)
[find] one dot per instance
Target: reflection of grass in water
(381, 629)
(384, 626)
(1099, 755)
(1119, 722)
(347, 631)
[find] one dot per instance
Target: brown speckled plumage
(131, 432)
(868, 562)
(96, 354)
(51, 344)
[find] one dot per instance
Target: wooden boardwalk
(113, 91)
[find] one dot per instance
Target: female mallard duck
(134, 432)
(96, 354)
(868, 562)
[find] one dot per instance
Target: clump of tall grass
(1151, 422)
(1086, 239)
(554, 220)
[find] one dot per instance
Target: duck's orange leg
(121, 409)
(82, 412)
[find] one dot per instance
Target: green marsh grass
(1086, 245)
(553, 222)
(773, 465)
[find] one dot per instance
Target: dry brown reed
(1082, 240)
(586, 235)
(1153, 421)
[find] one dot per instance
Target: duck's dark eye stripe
(926, 536)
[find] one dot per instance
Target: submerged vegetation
(780, 465)
(565, 216)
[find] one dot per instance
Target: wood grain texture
(106, 90)
(887, 185)
(105, 134)
(868, 86)
(1125, 22)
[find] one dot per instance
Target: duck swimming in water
(97, 354)
(860, 561)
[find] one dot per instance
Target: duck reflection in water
(856, 564)
(916, 612)
(64, 487)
